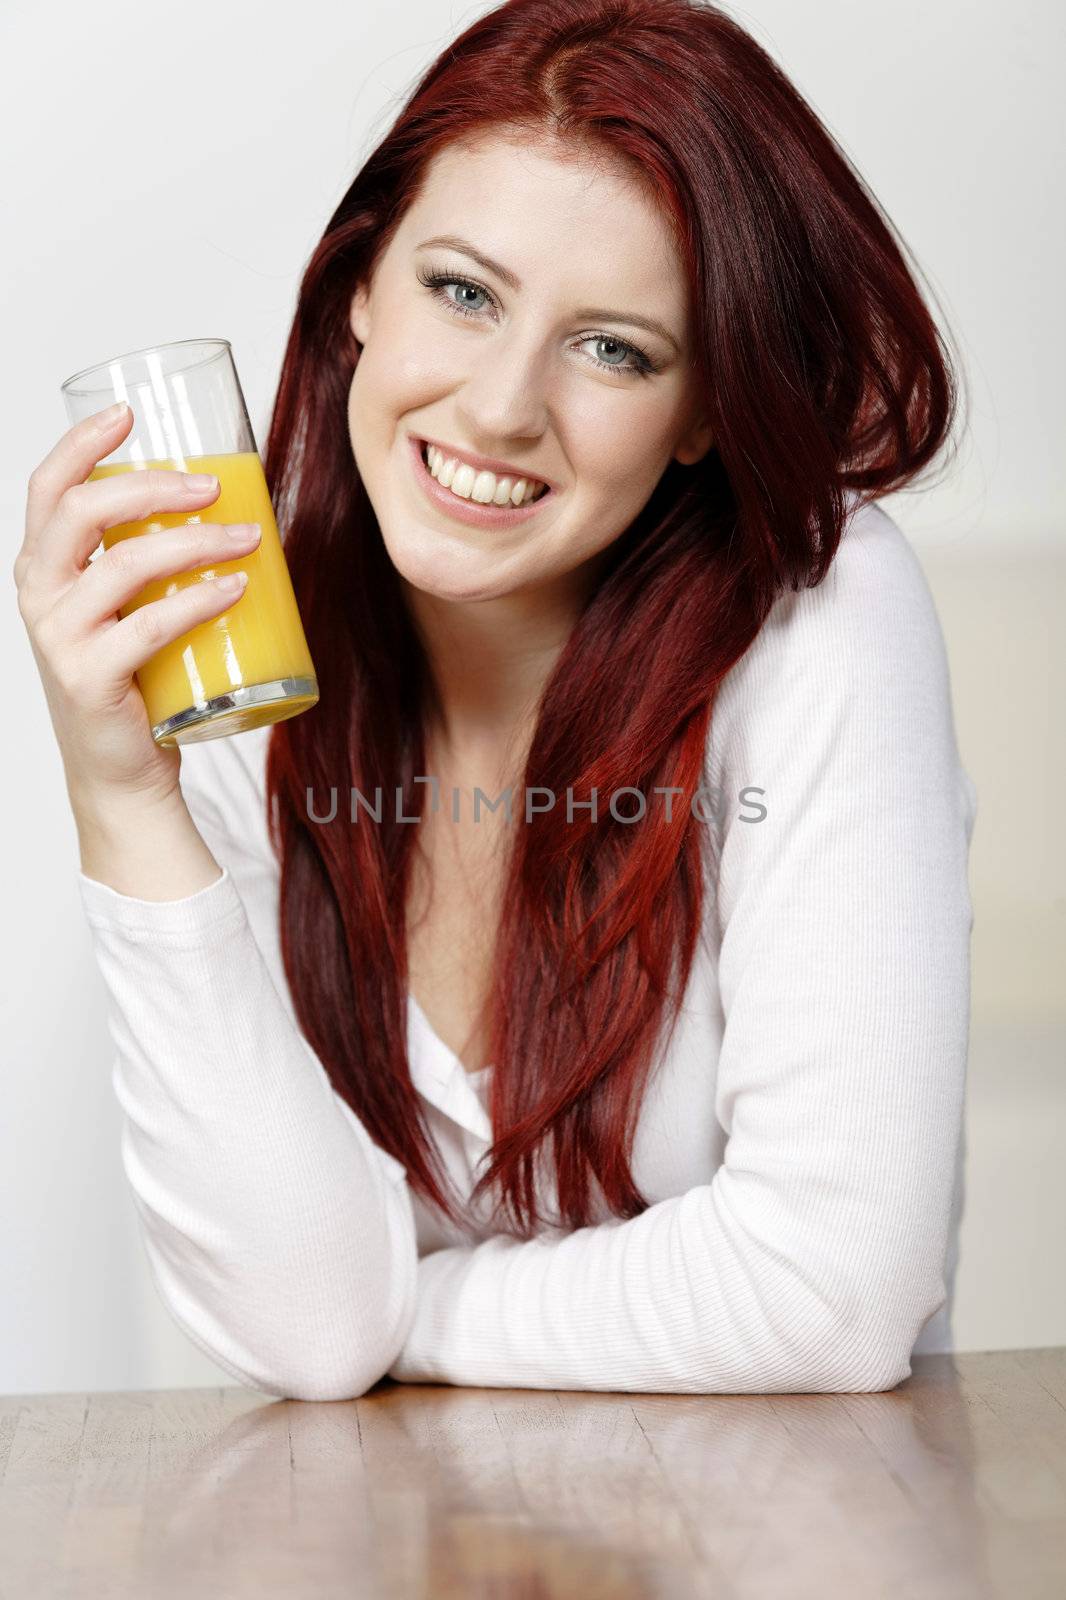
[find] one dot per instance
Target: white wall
(170, 171)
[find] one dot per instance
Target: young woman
(656, 1082)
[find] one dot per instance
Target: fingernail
(241, 532)
(231, 582)
(107, 419)
(199, 481)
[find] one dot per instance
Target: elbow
(326, 1382)
(844, 1361)
(303, 1349)
(302, 1378)
(346, 1373)
(325, 1378)
(869, 1350)
(872, 1367)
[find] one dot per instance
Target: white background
(167, 172)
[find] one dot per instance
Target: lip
(471, 512)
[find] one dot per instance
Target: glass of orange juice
(246, 666)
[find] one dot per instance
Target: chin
(448, 574)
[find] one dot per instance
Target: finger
(86, 510)
(70, 460)
(131, 642)
(121, 573)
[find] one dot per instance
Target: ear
(359, 315)
(695, 443)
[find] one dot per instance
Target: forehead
(555, 213)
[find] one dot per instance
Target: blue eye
(438, 282)
(467, 310)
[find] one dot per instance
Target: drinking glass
(249, 665)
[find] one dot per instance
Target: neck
(490, 661)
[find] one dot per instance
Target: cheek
(617, 435)
(376, 359)
(404, 358)
(389, 381)
(361, 415)
(619, 453)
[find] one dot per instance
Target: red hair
(822, 372)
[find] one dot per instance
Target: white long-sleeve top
(800, 1142)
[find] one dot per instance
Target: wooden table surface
(952, 1484)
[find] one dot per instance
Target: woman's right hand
(86, 653)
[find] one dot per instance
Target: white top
(800, 1144)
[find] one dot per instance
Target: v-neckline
(443, 1081)
(477, 1075)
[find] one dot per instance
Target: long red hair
(823, 372)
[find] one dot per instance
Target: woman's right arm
(279, 1235)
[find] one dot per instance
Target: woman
(661, 1093)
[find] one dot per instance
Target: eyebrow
(451, 241)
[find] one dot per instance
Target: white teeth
(483, 487)
(463, 482)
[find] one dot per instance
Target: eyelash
(436, 282)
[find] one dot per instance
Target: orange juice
(246, 666)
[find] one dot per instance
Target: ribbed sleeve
(280, 1237)
(815, 1255)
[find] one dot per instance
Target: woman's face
(544, 373)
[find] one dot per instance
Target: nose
(504, 395)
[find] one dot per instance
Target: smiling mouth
(539, 492)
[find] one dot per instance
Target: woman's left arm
(816, 1254)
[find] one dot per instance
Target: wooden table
(953, 1484)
